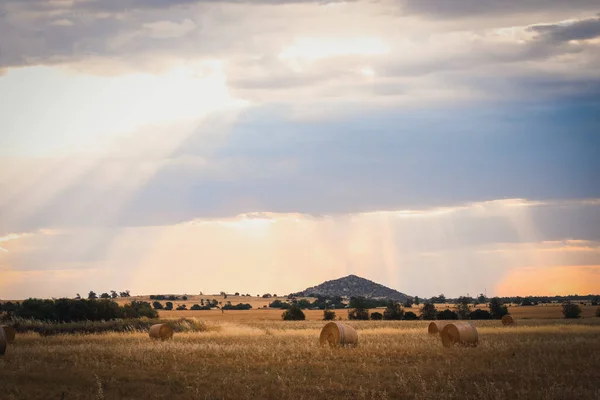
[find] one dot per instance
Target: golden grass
(538, 359)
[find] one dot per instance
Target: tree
(393, 311)
(358, 308)
(480, 314)
(481, 298)
(417, 301)
(267, 296)
(293, 314)
(376, 316)
(125, 294)
(408, 303)
(328, 315)
(181, 307)
(168, 306)
(428, 312)
(92, 295)
(114, 294)
(157, 305)
(462, 307)
(497, 308)
(78, 297)
(105, 296)
(571, 310)
(184, 297)
(441, 299)
(410, 316)
(447, 315)
(237, 293)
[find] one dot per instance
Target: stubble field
(538, 359)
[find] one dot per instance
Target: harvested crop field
(537, 359)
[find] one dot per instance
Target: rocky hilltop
(353, 285)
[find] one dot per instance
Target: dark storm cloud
(578, 30)
(467, 8)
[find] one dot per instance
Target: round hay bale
(508, 320)
(338, 334)
(161, 332)
(9, 333)
(460, 333)
(3, 342)
(436, 327)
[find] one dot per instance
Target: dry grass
(538, 359)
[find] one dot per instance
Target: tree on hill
(92, 295)
(105, 296)
(114, 294)
(417, 300)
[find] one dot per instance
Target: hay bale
(460, 333)
(508, 320)
(9, 333)
(161, 332)
(3, 342)
(436, 327)
(337, 334)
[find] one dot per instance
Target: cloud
(569, 30)
(468, 247)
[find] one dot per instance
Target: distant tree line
(73, 310)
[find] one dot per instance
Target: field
(249, 359)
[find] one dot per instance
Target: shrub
(497, 308)
(571, 310)
(410, 316)
(376, 316)
(480, 314)
(447, 315)
(393, 311)
(184, 297)
(358, 309)
(239, 306)
(428, 311)
(279, 304)
(358, 314)
(168, 306)
(137, 309)
(293, 314)
(328, 315)
(181, 307)
(157, 305)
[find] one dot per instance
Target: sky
(179, 146)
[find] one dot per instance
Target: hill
(353, 285)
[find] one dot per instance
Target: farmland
(261, 358)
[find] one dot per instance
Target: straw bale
(9, 333)
(508, 320)
(161, 332)
(460, 333)
(436, 327)
(338, 334)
